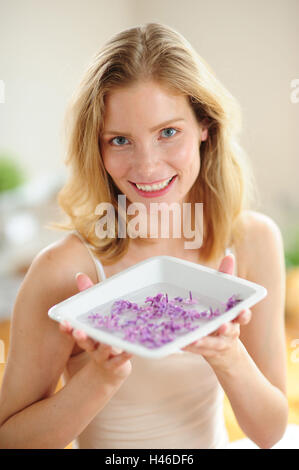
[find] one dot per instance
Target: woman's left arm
(250, 362)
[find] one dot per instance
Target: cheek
(186, 156)
(115, 166)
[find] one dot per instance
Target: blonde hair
(225, 183)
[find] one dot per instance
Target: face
(150, 135)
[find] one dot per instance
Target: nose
(146, 161)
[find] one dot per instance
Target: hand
(114, 363)
(219, 347)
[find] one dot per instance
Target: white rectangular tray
(159, 274)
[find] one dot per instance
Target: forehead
(146, 100)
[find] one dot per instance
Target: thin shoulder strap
(98, 265)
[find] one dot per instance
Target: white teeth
(153, 187)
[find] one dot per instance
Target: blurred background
(252, 46)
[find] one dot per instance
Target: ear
(204, 134)
(204, 129)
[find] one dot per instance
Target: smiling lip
(155, 193)
(154, 182)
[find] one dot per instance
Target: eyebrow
(151, 130)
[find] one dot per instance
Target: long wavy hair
(225, 184)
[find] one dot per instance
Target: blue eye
(122, 137)
(169, 128)
(118, 137)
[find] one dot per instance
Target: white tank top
(175, 402)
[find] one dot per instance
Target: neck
(168, 228)
(162, 247)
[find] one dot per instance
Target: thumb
(83, 281)
(227, 264)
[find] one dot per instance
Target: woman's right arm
(32, 415)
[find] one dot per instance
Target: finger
(216, 343)
(210, 343)
(84, 342)
(65, 327)
(223, 329)
(115, 351)
(83, 281)
(227, 264)
(244, 317)
(229, 329)
(118, 360)
(102, 352)
(208, 352)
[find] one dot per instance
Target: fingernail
(116, 350)
(79, 334)
(78, 274)
(63, 325)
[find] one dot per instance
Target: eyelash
(165, 129)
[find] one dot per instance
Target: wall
(251, 45)
(44, 49)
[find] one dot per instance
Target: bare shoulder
(261, 240)
(62, 259)
(254, 220)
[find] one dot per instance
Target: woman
(149, 109)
